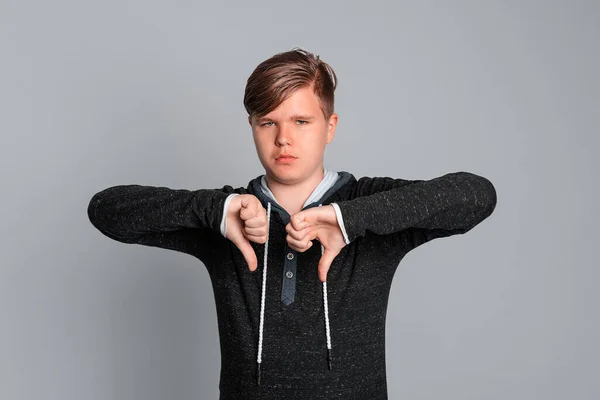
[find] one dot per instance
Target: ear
(331, 125)
(250, 120)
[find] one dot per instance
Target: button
(290, 256)
(289, 274)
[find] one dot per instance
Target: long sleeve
(175, 219)
(450, 204)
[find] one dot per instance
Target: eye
(267, 123)
(302, 122)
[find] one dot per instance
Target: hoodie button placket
(288, 288)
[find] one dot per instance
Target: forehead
(302, 101)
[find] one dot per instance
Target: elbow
(98, 212)
(487, 197)
(484, 198)
(103, 213)
(479, 201)
(92, 210)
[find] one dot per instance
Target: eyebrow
(292, 118)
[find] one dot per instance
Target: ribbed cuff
(338, 214)
(225, 208)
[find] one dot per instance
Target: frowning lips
(285, 156)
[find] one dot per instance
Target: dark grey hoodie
(384, 218)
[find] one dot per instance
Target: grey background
(95, 94)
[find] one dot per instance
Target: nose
(284, 136)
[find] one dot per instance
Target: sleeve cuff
(225, 208)
(338, 214)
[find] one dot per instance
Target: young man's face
(297, 128)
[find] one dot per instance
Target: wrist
(340, 221)
(226, 213)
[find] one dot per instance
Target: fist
(317, 223)
(246, 222)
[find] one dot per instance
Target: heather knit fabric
(384, 218)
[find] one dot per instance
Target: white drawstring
(327, 333)
(262, 297)
(326, 309)
(262, 304)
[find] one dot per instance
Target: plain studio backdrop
(97, 94)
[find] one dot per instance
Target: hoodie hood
(323, 193)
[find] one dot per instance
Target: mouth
(285, 158)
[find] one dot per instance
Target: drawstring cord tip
(258, 374)
(329, 358)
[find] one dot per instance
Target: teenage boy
(308, 320)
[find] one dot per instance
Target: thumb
(298, 221)
(324, 264)
(248, 253)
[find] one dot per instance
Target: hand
(246, 221)
(316, 223)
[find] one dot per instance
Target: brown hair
(276, 78)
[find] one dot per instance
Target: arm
(175, 219)
(450, 204)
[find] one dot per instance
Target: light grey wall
(95, 94)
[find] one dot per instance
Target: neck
(292, 196)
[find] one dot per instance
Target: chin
(285, 175)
